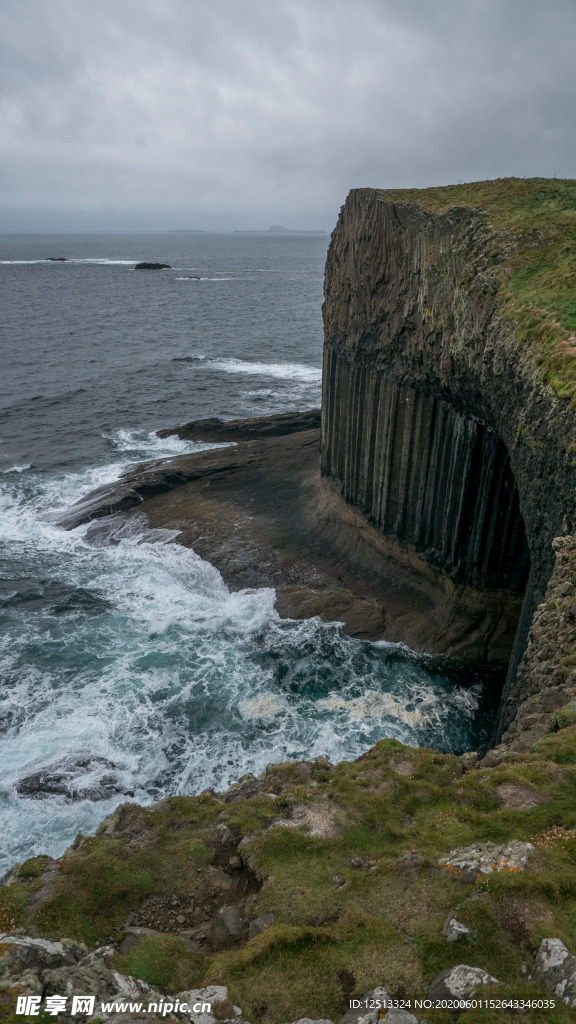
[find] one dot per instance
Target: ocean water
(130, 671)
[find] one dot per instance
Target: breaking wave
(125, 650)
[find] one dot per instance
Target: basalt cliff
(448, 418)
(436, 505)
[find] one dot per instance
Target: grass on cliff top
(340, 929)
(535, 219)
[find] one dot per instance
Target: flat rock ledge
(262, 514)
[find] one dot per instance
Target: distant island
(277, 229)
(187, 231)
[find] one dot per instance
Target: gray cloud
(231, 113)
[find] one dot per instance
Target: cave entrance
(431, 476)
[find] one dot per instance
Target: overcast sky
(223, 114)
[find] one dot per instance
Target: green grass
(534, 220)
(163, 961)
(330, 941)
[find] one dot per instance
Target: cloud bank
(226, 114)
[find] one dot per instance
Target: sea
(131, 671)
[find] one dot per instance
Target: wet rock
(38, 594)
(77, 777)
(152, 266)
(454, 929)
(555, 970)
(215, 429)
(470, 863)
(56, 259)
(459, 981)
(260, 924)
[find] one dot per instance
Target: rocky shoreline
(406, 875)
(262, 514)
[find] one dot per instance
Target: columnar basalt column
(437, 424)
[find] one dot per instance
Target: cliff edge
(448, 413)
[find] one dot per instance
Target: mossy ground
(339, 930)
(535, 256)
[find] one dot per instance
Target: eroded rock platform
(261, 513)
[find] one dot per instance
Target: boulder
(454, 929)
(134, 936)
(22, 953)
(458, 982)
(213, 994)
(398, 1016)
(260, 924)
(96, 979)
(555, 970)
(152, 266)
(471, 863)
(76, 777)
(367, 1009)
(227, 926)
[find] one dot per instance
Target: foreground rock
(39, 968)
(471, 863)
(459, 981)
(296, 888)
(555, 969)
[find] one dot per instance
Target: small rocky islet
(445, 462)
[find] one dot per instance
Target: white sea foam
(142, 444)
(96, 262)
(17, 469)
(295, 371)
(146, 658)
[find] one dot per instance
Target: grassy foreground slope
(534, 220)
(347, 859)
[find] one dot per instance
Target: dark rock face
(56, 259)
(437, 423)
(152, 266)
(81, 777)
(215, 429)
(426, 473)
